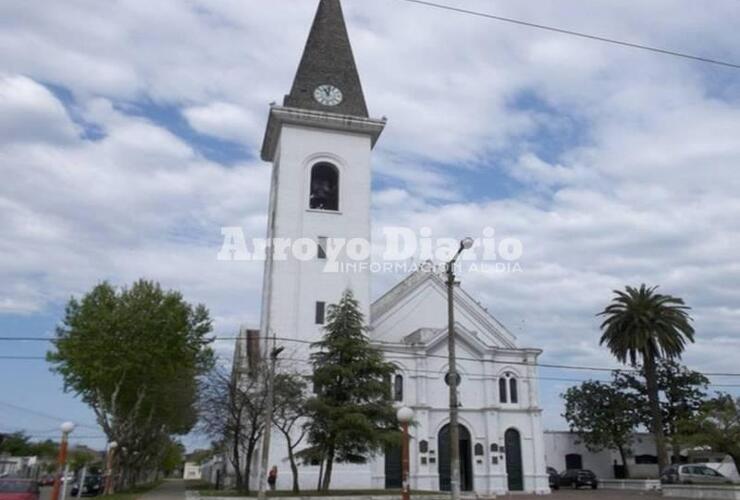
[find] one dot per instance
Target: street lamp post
(405, 415)
(67, 428)
(109, 468)
(453, 380)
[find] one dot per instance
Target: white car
(693, 474)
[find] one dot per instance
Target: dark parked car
(577, 478)
(93, 486)
(18, 489)
(554, 478)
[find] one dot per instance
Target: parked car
(577, 478)
(554, 478)
(93, 486)
(693, 474)
(18, 489)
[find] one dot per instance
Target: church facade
(320, 143)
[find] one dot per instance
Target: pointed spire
(328, 60)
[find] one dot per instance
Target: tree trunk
(676, 448)
(321, 475)
(293, 468)
(651, 383)
(236, 463)
(248, 467)
(623, 454)
(329, 467)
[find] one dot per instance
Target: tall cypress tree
(352, 414)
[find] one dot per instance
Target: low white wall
(630, 484)
(701, 491)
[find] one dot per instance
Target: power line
(493, 376)
(579, 34)
(42, 414)
(393, 344)
(518, 363)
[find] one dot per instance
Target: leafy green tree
(603, 416)
(682, 394)
(46, 449)
(173, 457)
(290, 409)
(80, 457)
(17, 444)
(134, 355)
(352, 414)
(717, 426)
(642, 324)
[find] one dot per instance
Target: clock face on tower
(328, 95)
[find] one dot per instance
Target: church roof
(328, 60)
(409, 294)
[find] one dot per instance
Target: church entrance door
(466, 462)
(514, 469)
(393, 473)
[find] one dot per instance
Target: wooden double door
(466, 459)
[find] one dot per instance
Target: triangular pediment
(417, 307)
(465, 340)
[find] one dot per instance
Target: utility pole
(268, 419)
(452, 377)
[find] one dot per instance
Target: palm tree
(641, 323)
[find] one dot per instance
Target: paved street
(175, 490)
(169, 490)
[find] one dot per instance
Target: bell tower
(320, 143)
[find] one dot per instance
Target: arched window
(478, 450)
(324, 187)
(398, 388)
(508, 389)
(502, 390)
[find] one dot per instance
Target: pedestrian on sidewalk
(272, 477)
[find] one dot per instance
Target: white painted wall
(292, 287)
(191, 471)
(558, 444)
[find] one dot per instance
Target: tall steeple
(328, 62)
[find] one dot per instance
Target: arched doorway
(466, 461)
(514, 468)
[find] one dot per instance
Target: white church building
(320, 143)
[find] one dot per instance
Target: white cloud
(29, 112)
(224, 120)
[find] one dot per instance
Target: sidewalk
(173, 489)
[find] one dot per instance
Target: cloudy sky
(129, 134)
